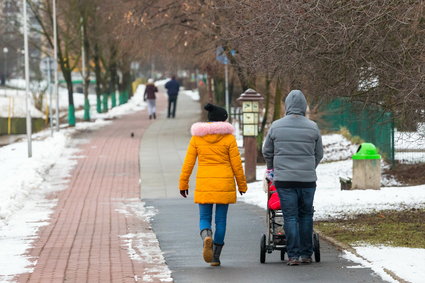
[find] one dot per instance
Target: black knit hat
(216, 113)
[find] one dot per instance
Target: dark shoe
(216, 255)
(306, 260)
(154, 115)
(293, 261)
(150, 117)
(207, 250)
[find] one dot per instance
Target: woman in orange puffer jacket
(219, 163)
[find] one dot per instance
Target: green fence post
(86, 109)
(113, 99)
(105, 102)
(121, 98)
(71, 115)
(98, 104)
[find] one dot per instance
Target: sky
(25, 182)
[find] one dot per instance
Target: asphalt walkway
(176, 223)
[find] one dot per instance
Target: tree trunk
(113, 82)
(86, 45)
(98, 74)
(71, 108)
(277, 113)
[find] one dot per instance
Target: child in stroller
(275, 239)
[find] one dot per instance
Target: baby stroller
(275, 238)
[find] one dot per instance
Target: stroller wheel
(316, 247)
(263, 249)
(282, 255)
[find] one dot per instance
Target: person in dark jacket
(150, 96)
(292, 150)
(173, 88)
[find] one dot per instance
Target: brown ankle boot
(207, 251)
(216, 254)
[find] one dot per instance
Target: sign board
(220, 55)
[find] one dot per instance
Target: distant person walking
(173, 88)
(219, 163)
(292, 150)
(150, 96)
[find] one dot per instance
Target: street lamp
(5, 51)
(250, 119)
(27, 79)
(55, 56)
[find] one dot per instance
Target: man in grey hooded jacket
(293, 149)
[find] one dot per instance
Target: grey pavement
(163, 148)
(176, 223)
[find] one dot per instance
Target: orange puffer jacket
(219, 163)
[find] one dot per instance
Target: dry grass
(393, 228)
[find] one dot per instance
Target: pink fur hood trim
(202, 129)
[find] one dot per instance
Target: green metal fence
(370, 123)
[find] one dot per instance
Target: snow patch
(144, 246)
(194, 94)
(364, 263)
(396, 258)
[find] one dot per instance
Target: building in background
(12, 42)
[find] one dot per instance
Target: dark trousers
(297, 209)
(172, 103)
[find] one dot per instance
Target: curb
(344, 247)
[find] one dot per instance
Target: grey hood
(295, 103)
(293, 146)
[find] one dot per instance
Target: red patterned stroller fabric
(274, 201)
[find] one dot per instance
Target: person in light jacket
(292, 150)
(150, 96)
(219, 164)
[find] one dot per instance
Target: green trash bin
(366, 168)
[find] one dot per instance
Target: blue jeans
(297, 209)
(205, 218)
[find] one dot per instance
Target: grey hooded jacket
(293, 146)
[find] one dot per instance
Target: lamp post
(27, 80)
(55, 56)
(250, 119)
(5, 51)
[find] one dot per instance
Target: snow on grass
(411, 157)
(409, 140)
(15, 107)
(336, 147)
(134, 104)
(402, 260)
(366, 263)
(25, 183)
(194, 94)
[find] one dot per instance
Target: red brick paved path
(82, 242)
